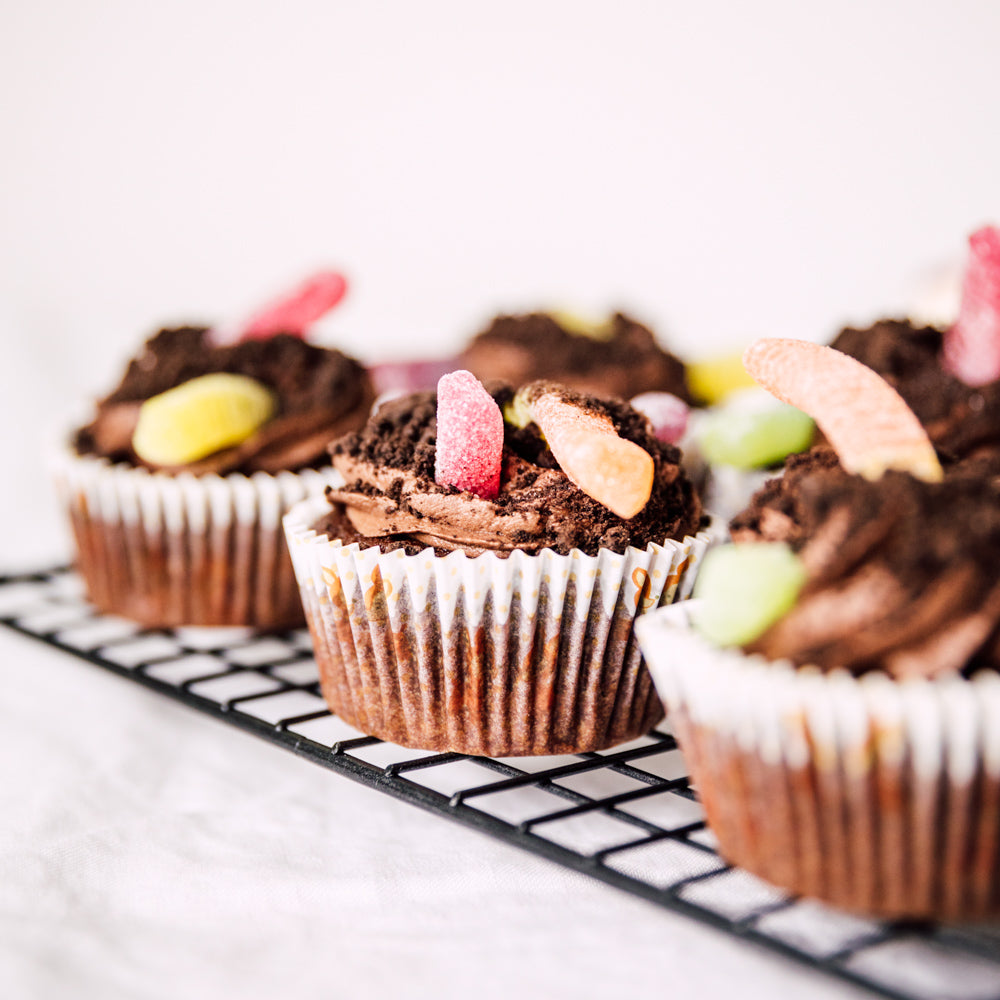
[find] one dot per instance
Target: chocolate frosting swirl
(322, 393)
(961, 420)
(626, 362)
(902, 574)
(390, 498)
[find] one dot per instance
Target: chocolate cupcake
(176, 489)
(839, 704)
(497, 624)
(619, 357)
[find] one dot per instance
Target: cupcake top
(779, 510)
(776, 511)
(901, 575)
(960, 419)
(950, 377)
(619, 357)
(873, 557)
(317, 393)
(393, 496)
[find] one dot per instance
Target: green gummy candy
(745, 589)
(754, 439)
(516, 412)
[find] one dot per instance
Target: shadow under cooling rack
(626, 816)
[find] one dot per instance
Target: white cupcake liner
(169, 550)
(876, 795)
(528, 654)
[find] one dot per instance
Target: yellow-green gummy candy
(583, 326)
(713, 379)
(744, 589)
(200, 417)
(517, 413)
(754, 439)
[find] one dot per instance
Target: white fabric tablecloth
(149, 851)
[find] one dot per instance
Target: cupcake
(472, 584)
(175, 489)
(615, 357)
(837, 698)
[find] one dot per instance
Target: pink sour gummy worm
(469, 436)
(666, 412)
(293, 312)
(972, 345)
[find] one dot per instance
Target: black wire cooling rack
(626, 816)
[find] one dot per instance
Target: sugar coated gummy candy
(583, 326)
(865, 420)
(713, 379)
(613, 471)
(291, 313)
(744, 589)
(200, 417)
(516, 412)
(754, 439)
(972, 346)
(666, 412)
(469, 448)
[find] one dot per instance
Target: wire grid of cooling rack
(626, 816)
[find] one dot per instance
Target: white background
(723, 170)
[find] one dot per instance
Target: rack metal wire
(626, 816)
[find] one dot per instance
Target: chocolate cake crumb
(302, 375)
(902, 576)
(894, 566)
(623, 361)
(776, 511)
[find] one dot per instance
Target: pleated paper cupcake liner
(169, 550)
(529, 654)
(876, 795)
